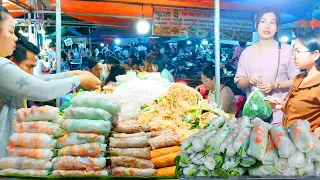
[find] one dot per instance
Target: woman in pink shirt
(267, 64)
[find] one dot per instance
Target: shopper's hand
(78, 72)
(266, 87)
(254, 80)
(89, 81)
(275, 103)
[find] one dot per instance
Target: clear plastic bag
(256, 106)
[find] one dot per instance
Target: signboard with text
(200, 24)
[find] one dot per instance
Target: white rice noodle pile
(136, 93)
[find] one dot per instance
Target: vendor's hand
(90, 81)
(254, 80)
(266, 87)
(275, 103)
(78, 72)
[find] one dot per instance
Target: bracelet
(278, 85)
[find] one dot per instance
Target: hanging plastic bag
(256, 106)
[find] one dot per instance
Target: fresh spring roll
(244, 121)
(124, 135)
(237, 171)
(123, 171)
(307, 170)
(153, 134)
(87, 126)
(218, 158)
(25, 172)
(228, 143)
(131, 162)
(79, 138)
(199, 143)
(269, 170)
(33, 140)
(184, 159)
(135, 142)
(102, 101)
(282, 165)
(220, 172)
(24, 163)
(187, 144)
(282, 141)
(317, 164)
(87, 113)
(210, 163)
(79, 163)
(164, 151)
(90, 149)
(216, 123)
(198, 158)
(38, 127)
(167, 171)
(215, 141)
(248, 161)
(79, 173)
(191, 170)
(241, 143)
(230, 122)
(44, 113)
(301, 136)
(231, 162)
(143, 153)
(43, 153)
(297, 160)
(131, 128)
(164, 141)
(203, 171)
(314, 154)
(164, 161)
(258, 140)
(271, 155)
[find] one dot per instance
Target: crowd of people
(271, 66)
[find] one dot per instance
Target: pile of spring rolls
(31, 147)
(128, 147)
(88, 121)
(236, 147)
(165, 147)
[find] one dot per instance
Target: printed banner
(200, 24)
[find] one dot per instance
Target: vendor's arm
(18, 83)
(226, 96)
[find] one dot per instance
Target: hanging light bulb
(143, 25)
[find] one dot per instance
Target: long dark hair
(159, 61)
(311, 40)
(209, 72)
(115, 71)
(268, 10)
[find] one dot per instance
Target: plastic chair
(240, 102)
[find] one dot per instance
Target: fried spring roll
(124, 135)
(164, 161)
(135, 142)
(79, 163)
(164, 151)
(167, 171)
(153, 134)
(127, 161)
(122, 171)
(164, 141)
(143, 153)
(131, 128)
